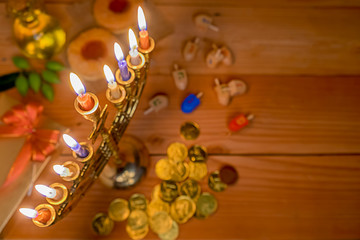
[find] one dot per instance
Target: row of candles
(70, 170)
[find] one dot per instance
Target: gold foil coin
(177, 151)
(137, 219)
(137, 234)
(102, 224)
(119, 209)
(191, 189)
(160, 222)
(205, 205)
(180, 171)
(215, 182)
(198, 170)
(137, 201)
(172, 234)
(189, 130)
(182, 209)
(197, 153)
(163, 169)
(157, 205)
(168, 191)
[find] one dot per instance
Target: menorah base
(133, 166)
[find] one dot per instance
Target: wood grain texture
(264, 40)
(294, 115)
(276, 197)
(299, 159)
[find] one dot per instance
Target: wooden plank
(254, 3)
(263, 40)
(267, 41)
(276, 197)
(261, 3)
(295, 115)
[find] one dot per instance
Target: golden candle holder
(90, 150)
(93, 114)
(74, 169)
(48, 219)
(127, 156)
(61, 194)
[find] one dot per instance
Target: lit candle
(124, 71)
(29, 212)
(84, 99)
(62, 171)
(112, 85)
(46, 191)
(134, 54)
(42, 216)
(75, 146)
(143, 34)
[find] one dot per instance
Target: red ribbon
(22, 121)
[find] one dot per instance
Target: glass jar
(38, 34)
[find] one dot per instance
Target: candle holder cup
(50, 216)
(74, 171)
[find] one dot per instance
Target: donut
(116, 15)
(89, 51)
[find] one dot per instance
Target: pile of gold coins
(175, 200)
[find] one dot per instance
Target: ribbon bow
(22, 121)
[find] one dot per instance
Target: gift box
(12, 192)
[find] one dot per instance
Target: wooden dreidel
(237, 87)
(214, 57)
(239, 122)
(157, 103)
(190, 49)
(180, 77)
(222, 92)
(227, 56)
(204, 21)
(191, 102)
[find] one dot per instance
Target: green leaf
(35, 81)
(21, 62)
(54, 66)
(48, 91)
(22, 84)
(50, 76)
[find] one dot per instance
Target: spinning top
(191, 102)
(204, 21)
(157, 103)
(239, 122)
(190, 49)
(223, 93)
(180, 77)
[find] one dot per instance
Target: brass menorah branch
(95, 161)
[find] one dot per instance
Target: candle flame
(119, 55)
(141, 19)
(132, 39)
(59, 169)
(108, 74)
(29, 212)
(77, 84)
(71, 142)
(46, 191)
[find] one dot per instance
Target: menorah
(124, 94)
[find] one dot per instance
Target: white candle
(112, 85)
(29, 212)
(46, 191)
(134, 54)
(61, 170)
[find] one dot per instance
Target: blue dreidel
(191, 102)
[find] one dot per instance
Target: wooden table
(299, 160)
